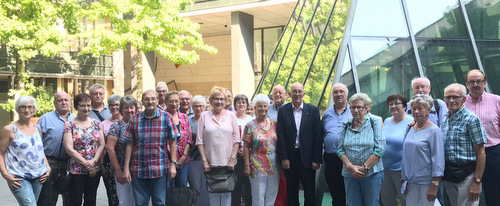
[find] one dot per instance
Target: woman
(196, 177)
(423, 155)
(116, 146)
(218, 132)
(241, 104)
(83, 140)
(107, 177)
(22, 159)
(361, 145)
(181, 121)
(251, 109)
(394, 131)
(260, 155)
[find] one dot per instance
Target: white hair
(161, 84)
(185, 91)
(114, 98)
(344, 86)
(462, 87)
(424, 78)
(359, 97)
(261, 98)
(199, 99)
(96, 86)
(252, 103)
(424, 99)
(26, 99)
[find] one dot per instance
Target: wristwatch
(435, 183)
(175, 162)
(366, 167)
(478, 180)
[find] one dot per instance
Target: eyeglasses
(85, 105)
(454, 98)
(24, 107)
(219, 99)
(197, 106)
(114, 105)
(297, 91)
(149, 99)
(161, 91)
(357, 108)
(478, 82)
(395, 104)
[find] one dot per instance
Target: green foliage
(43, 95)
(148, 25)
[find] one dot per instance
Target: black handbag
(180, 196)
(220, 180)
(457, 172)
(59, 179)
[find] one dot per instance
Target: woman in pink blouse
(218, 140)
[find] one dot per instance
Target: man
(100, 111)
(229, 103)
(279, 97)
(299, 145)
(162, 90)
(52, 125)
(422, 85)
(333, 119)
(487, 107)
(464, 148)
(185, 105)
(146, 154)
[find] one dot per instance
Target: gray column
(242, 56)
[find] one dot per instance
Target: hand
(89, 164)
(231, 163)
(13, 181)
(121, 177)
(247, 171)
(92, 172)
(181, 162)
(474, 190)
(44, 177)
(432, 192)
(285, 164)
(315, 166)
(410, 124)
(206, 166)
(356, 171)
(240, 152)
(173, 171)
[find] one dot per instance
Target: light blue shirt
(105, 113)
(423, 155)
(434, 117)
(52, 126)
(273, 112)
(359, 144)
(332, 126)
(394, 135)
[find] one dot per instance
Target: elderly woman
(241, 104)
(181, 122)
(83, 140)
(196, 177)
(251, 109)
(107, 177)
(423, 155)
(218, 140)
(22, 159)
(116, 146)
(361, 145)
(394, 131)
(260, 154)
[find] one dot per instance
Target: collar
(156, 114)
(300, 107)
(469, 97)
(343, 111)
(458, 114)
(104, 108)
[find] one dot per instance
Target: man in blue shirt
(100, 111)
(332, 120)
(52, 125)
(279, 97)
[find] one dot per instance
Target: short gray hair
(424, 99)
(424, 78)
(161, 84)
(26, 99)
(114, 98)
(261, 98)
(199, 99)
(359, 97)
(462, 87)
(185, 91)
(96, 86)
(252, 103)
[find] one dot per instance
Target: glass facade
(378, 47)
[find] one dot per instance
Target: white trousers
(264, 190)
(457, 192)
(417, 196)
(125, 194)
(220, 199)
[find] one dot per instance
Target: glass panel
(257, 57)
(347, 77)
(271, 38)
(436, 19)
(445, 62)
(385, 66)
(379, 18)
(490, 57)
(484, 17)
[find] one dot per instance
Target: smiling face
(476, 83)
(250, 110)
(128, 110)
(198, 108)
(26, 110)
(279, 95)
(261, 108)
(162, 91)
(396, 107)
(241, 105)
(149, 100)
(421, 86)
(218, 102)
(297, 93)
(185, 101)
(173, 102)
(114, 107)
(339, 94)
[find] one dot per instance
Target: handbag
(59, 178)
(220, 180)
(457, 172)
(180, 196)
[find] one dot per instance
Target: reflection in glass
(257, 57)
(379, 18)
(484, 17)
(490, 57)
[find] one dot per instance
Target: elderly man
(422, 85)
(487, 107)
(464, 149)
(146, 158)
(52, 125)
(162, 90)
(333, 119)
(279, 97)
(299, 145)
(185, 105)
(100, 111)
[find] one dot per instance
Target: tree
(148, 26)
(30, 27)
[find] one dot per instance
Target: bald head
(339, 95)
(297, 93)
(61, 102)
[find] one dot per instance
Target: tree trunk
(139, 72)
(19, 71)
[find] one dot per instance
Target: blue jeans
(29, 191)
(364, 191)
(181, 179)
(154, 188)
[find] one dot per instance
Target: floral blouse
(85, 142)
(117, 130)
(263, 160)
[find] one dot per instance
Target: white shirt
(297, 114)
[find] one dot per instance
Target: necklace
(420, 128)
(265, 124)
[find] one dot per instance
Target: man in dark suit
(299, 145)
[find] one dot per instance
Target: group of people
(426, 147)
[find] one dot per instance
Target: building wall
(199, 78)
